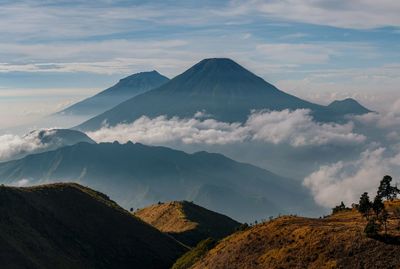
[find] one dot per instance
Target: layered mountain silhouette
(220, 87)
(136, 175)
(71, 226)
(126, 88)
(187, 222)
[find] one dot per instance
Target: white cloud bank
(296, 128)
(15, 145)
(387, 120)
(346, 181)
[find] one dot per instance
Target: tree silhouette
(339, 208)
(365, 205)
(385, 190)
(378, 206)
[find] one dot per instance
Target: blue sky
(53, 53)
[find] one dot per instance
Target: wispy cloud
(348, 14)
(169, 56)
(283, 41)
(78, 19)
(375, 87)
(317, 53)
(295, 53)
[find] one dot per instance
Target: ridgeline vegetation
(375, 211)
(365, 235)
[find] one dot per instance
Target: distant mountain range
(126, 88)
(187, 222)
(136, 175)
(221, 88)
(69, 226)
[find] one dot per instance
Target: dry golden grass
(167, 217)
(187, 222)
(337, 241)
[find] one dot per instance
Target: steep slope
(136, 175)
(220, 87)
(70, 226)
(126, 88)
(337, 241)
(194, 254)
(187, 222)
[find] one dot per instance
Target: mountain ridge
(335, 241)
(66, 225)
(126, 88)
(218, 86)
(136, 175)
(187, 222)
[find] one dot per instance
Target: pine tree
(385, 190)
(365, 205)
(378, 205)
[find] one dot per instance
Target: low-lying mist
(335, 161)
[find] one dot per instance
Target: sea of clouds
(337, 162)
(296, 128)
